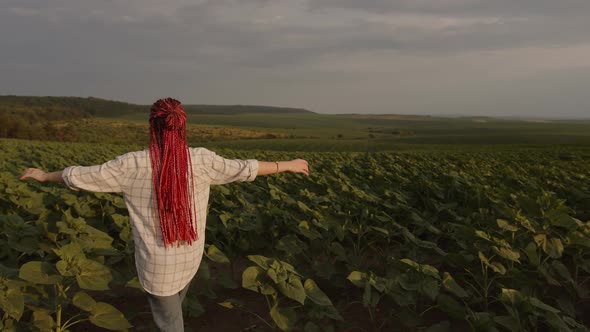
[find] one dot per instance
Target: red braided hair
(172, 172)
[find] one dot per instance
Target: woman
(166, 190)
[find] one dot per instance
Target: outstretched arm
(42, 176)
(273, 167)
(222, 170)
(107, 177)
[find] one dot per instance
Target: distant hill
(65, 108)
(35, 108)
(57, 118)
(240, 109)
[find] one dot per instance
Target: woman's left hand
(298, 166)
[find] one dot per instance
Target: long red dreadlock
(172, 172)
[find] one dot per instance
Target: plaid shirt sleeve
(221, 170)
(108, 177)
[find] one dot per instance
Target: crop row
(483, 240)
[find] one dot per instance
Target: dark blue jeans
(167, 310)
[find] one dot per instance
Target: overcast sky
(476, 57)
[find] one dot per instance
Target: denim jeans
(167, 310)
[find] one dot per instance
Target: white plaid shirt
(161, 271)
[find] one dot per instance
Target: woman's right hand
(34, 173)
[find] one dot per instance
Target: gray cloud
(323, 54)
(504, 8)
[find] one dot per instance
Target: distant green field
(322, 132)
(93, 120)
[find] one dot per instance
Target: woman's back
(161, 271)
